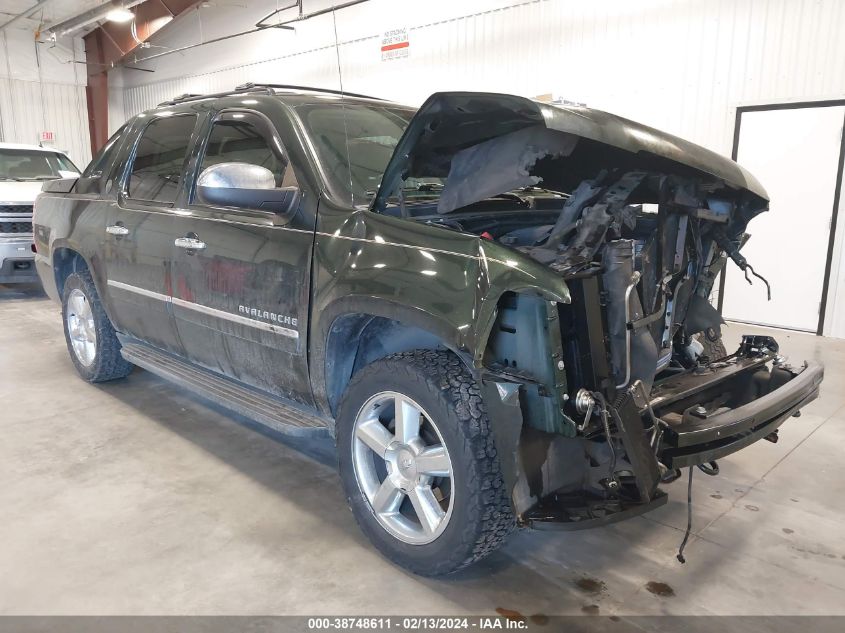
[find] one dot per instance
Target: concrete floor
(135, 498)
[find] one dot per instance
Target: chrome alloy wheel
(403, 468)
(80, 327)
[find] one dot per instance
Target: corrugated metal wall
(679, 65)
(43, 91)
(29, 107)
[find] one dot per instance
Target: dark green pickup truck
(499, 308)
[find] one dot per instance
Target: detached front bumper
(17, 260)
(705, 414)
(701, 439)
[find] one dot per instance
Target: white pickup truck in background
(23, 169)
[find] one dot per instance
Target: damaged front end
(595, 402)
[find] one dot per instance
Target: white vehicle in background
(23, 169)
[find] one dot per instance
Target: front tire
(714, 346)
(419, 465)
(91, 340)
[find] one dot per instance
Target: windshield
(372, 131)
(30, 164)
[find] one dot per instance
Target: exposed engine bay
(657, 242)
(614, 390)
(640, 253)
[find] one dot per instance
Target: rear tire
(471, 510)
(91, 339)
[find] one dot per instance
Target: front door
(138, 244)
(241, 276)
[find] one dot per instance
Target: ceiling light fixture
(119, 14)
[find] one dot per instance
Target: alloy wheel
(403, 468)
(81, 328)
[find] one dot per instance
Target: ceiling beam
(25, 14)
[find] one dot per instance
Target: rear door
(140, 230)
(240, 295)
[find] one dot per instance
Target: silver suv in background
(23, 169)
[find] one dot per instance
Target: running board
(274, 413)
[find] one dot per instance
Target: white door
(795, 155)
(834, 320)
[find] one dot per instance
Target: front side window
(236, 138)
(159, 158)
(32, 164)
(354, 142)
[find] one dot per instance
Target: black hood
(450, 122)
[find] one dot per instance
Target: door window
(238, 137)
(101, 161)
(158, 165)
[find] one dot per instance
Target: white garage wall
(679, 65)
(42, 89)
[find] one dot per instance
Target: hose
(680, 555)
(603, 409)
(712, 469)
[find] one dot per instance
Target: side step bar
(277, 414)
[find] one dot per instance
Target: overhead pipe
(80, 21)
(304, 16)
(261, 25)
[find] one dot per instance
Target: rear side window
(239, 138)
(159, 158)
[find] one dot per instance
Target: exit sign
(47, 137)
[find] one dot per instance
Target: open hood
(452, 123)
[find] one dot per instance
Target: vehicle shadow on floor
(317, 488)
(534, 573)
(21, 292)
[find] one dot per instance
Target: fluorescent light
(119, 15)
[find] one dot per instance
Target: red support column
(97, 91)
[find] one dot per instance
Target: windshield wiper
(534, 188)
(425, 186)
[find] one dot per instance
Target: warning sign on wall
(395, 44)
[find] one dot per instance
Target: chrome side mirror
(244, 186)
(236, 176)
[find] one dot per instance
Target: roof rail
(268, 89)
(308, 88)
(196, 97)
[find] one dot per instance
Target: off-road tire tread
(492, 518)
(108, 363)
(714, 346)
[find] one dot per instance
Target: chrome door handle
(189, 243)
(117, 229)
